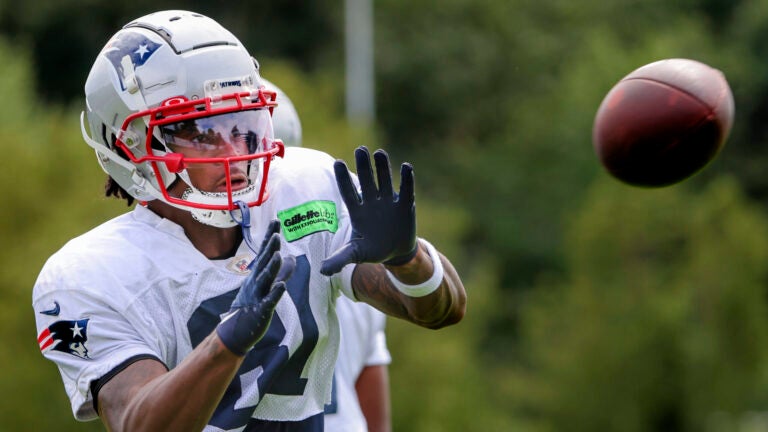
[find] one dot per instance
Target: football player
(175, 316)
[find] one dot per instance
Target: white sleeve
(87, 339)
(345, 281)
(377, 352)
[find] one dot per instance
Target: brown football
(663, 122)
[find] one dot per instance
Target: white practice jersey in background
(363, 343)
(136, 286)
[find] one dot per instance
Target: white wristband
(430, 285)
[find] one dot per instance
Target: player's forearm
(443, 307)
(184, 398)
(372, 388)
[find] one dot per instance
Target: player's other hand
(252, 309)
(383, 222)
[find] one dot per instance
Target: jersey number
(269, 368)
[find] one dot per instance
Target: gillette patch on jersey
(308, 218)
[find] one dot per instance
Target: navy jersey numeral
(268, 368)
(333, 406)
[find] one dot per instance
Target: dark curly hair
(112, 189)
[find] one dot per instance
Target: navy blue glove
(251, 311)
(383, 223)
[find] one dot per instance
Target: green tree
(52, 191)
(505, 92)
(494, 101)
(659, 322)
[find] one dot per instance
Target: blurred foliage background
(592, 305)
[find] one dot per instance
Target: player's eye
(201, 139)
(205, 141)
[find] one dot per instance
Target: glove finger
(333, 264)
(287, 266)
(346, 186)
(270, 300)
(383, 174)
(253, 285)
(268, 248)
(266, 277)
(365, 174)
(407, 194)
(272, 227)
(266, 308)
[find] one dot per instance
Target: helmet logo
(224, 84)
(175, 101)
(135, 48)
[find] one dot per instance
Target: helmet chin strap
(225, 219)
(216, 218)
(245, 225)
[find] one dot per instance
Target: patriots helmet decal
(128, 51)
(66, 336)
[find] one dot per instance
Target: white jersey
(363, 343)
(136, 287)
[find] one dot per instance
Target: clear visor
(232, 134)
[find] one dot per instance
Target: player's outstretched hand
(251, 311)
(383, 222)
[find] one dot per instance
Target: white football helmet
(285, 119)
(174, 91)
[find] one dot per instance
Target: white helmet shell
(157, 61)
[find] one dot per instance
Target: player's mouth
(238, 179)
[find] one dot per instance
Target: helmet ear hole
(112, 141)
